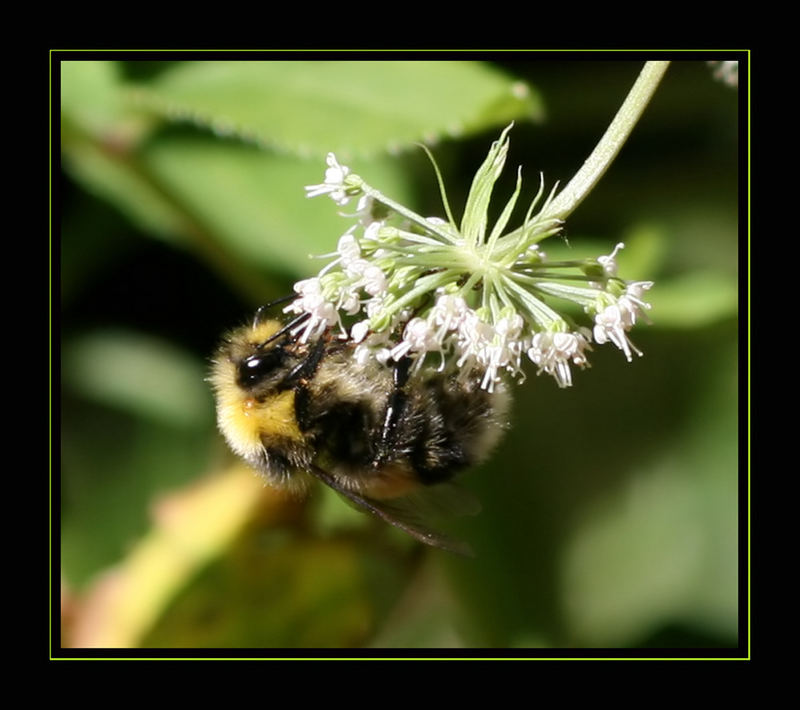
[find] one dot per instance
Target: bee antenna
(261, 309)
(291, 324)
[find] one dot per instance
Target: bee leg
(394, 411)
(298, 379)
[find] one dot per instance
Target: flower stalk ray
(474, 297)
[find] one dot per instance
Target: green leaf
(271, 591)
(99, 138)
(425, 617)
(114, 178)
(694, 300)
(352, 108)
(140, 375)
(644, 252)
(663, 547)
(90, 95)
(189, 528)
(112, 466)
(632, 563)
(253, 201)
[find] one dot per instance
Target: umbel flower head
(463, 296)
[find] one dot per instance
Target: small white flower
(374, 306)
(473, 336)
(308, 286)
(636, 289)
(349, 301)
(348, 248)
(359, 331)
(504, 351)
(364, 210)
(611, 326)
(362, 353)
(334, 182)
(374, 280)
(510, 327)
(371, 232)
(609, 263)
(448, 314)
(305, 288)
(323, 314)
(631, 304)
(355, 268)
(365, 275)
(370, 344)
(553, 352)
(490, 348)
(417, 337)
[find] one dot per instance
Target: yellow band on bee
(276, 415)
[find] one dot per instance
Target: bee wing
(402, 513)
(444, 499)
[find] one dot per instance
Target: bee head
(257, 368)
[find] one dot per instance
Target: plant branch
(611, 142)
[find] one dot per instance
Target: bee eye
(256, 367)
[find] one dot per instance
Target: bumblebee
(377, 434)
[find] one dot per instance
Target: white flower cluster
(334, 183)
(322, 314)
(480, 303)
(553, 353)
(613, 323)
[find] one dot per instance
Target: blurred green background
(610, 510)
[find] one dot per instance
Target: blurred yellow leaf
(191, 528)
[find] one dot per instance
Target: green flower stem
(498, 286)
(404, 211)
(521, 238)
(422, 287)
(538, 276)
(411, 237)
(608, 147)
(502, 221)
(466, 290)
(583, 296)
(543, 314)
